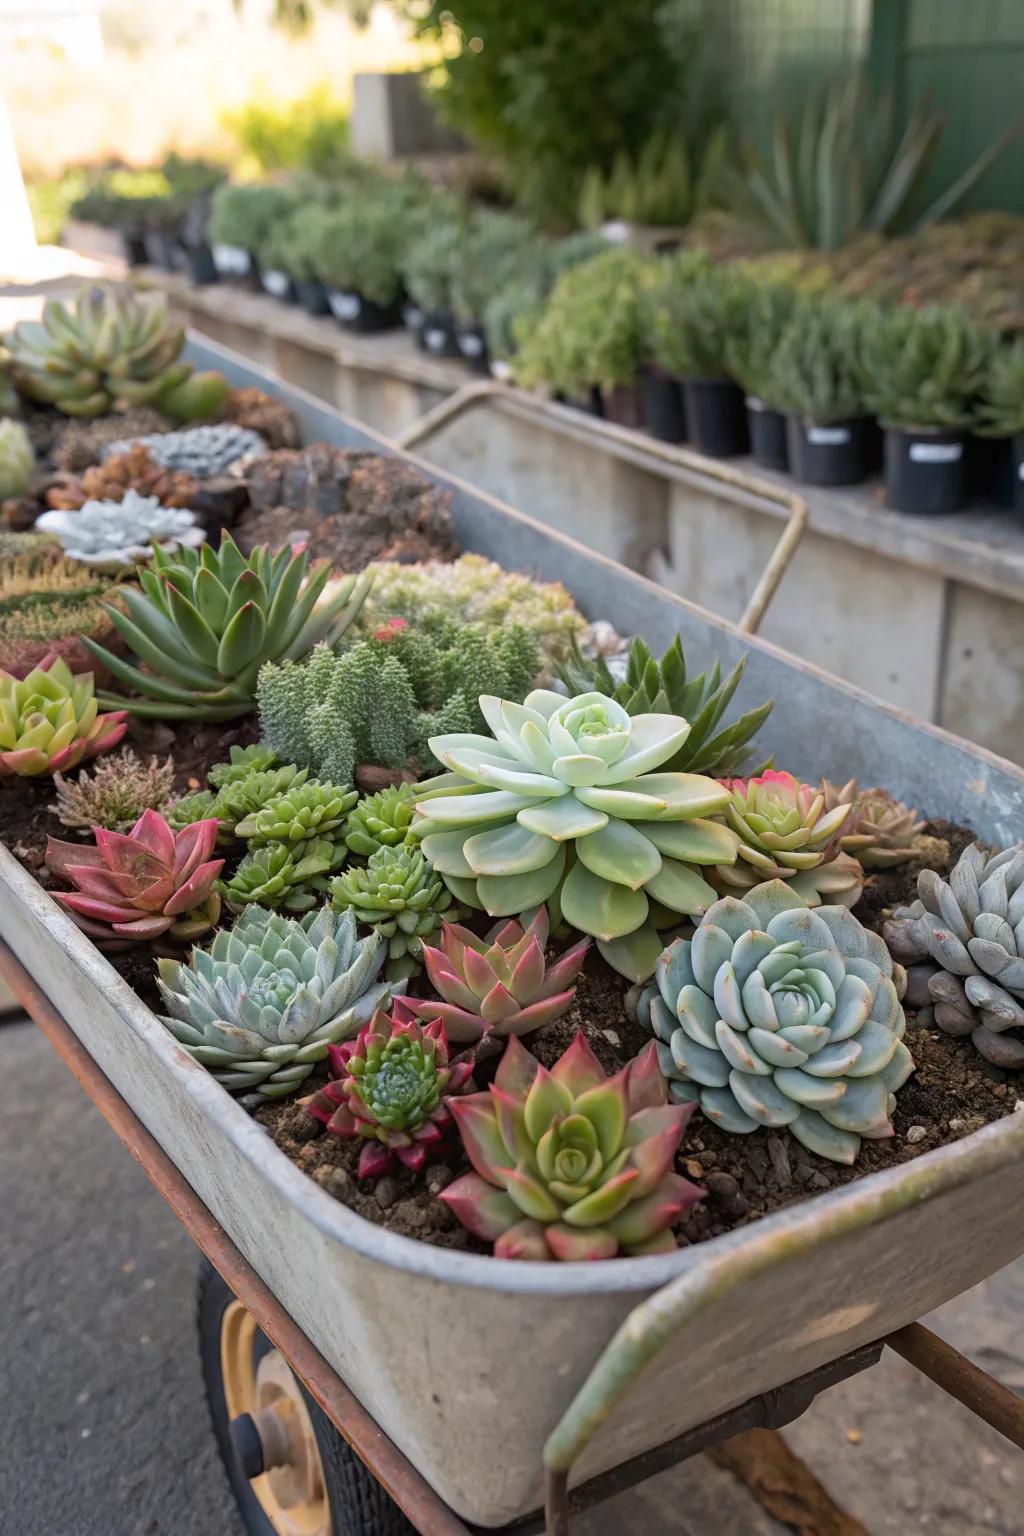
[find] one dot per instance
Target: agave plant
(883, 831)
(143, 884)
(390, 1086)
(776, 1015)
(969, 932)
(49, 720)
(664, 687)
(786, 833)
(268, 998)
(382, 820)
(112, 534)
(309, 809)
(206, 621)
(498, 986)
(399, 895)
(562, 806)
(105, 345)
(570, 1164)
(283, 875)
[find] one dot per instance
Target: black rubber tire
(359, 1505)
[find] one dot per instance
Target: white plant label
(752, 403)
(936, 453)
(434, 339)
(828, 437)
(276, 283)
(346, 306)
(471, 346)
(413, 316)
(232, 260)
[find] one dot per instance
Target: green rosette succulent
(398, 894)
(268, 998)
(310, 809)
(243, 798)
(189, 808)
(382, 820)
(786, 832)
(242, 762)
(777, 1015)
(562, 806)
(278, 875)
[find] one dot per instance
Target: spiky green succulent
(665, 688)
(104, 345)
(776, 1015)
(382, 820)
(279, 875)
(567, 804)
(309, 810)
(267, 999)
(398, 894)
(17, 459)
(205, 622)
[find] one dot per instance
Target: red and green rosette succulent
(141, 884)
(570, 1164)
(389, 1085)
(498, 986)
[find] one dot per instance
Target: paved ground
(104, 1421)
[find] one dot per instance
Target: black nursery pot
(1018, 473)
(664, 411)
(354, 313)
(134, 250)
(925, 472)
(623, 405)
(473, 347)
(234, 263)
(312, 295)
(591, 404)
(828, 453)
(991, 473)
(437, 335)
(278, 284)
(716, 417)
(159, 248)
(767, 428)
(412, 317)
(200, 264)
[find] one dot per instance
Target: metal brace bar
(482, 391)
(962, 1379)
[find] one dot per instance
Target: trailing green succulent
(569, 1164)
(773, 1015)
(105, 345)
(966, 933)
(295, 877)
(206, 621)
(312, 809)
(568, 803)
(664, 688)
(198, 806)
(690, 311)
(817, 371)
(17, 459)
(379, 700)
(49, 720)
(475, 592)
(590, 332)
(398, 894)
(391, 1086)
(923, 367)
(1001, 409)
(785, 833)
(847, 165)
(382, 820)
(666, 183)
(245, 798)
(262, 1005)
(115, 793)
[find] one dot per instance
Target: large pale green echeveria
(563, 806)
(775, 1015)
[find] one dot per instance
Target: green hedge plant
(1001, 411)
(689, 311)
(814, 372)
(925, 367)
(590, 333)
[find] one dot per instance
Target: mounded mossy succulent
(115, 793)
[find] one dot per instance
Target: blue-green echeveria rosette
(563, 805)
(776, 1015)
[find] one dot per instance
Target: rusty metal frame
(979, 1392)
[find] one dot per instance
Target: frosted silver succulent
(198, 451)
(264, 1002)
(776, 1015)
(111, 534)
(965, 939)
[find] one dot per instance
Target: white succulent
(112, 534)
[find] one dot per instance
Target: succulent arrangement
(968, 933)
(815, 371)
(268, 998)
(1001, 409)
(390, 1087)
(49, 720)
(590, 332)
(201, 452)
(360, 246)
(570, 1164)
(689, 313)
(112, 535)
(206, 621)
(776, 1015)
(568, 803)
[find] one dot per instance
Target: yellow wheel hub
(291, 1489)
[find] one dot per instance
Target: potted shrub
(356, 254)
(497, 249)
(814, 378)
(690, 311)
(750, 352)
(241, 219)
(923, 371)
(427, 269)
(287, 260)
(589, 337)
(1001, 422)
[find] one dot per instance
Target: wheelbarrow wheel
(292, 1474)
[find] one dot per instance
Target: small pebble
(336, 1181)
(726, 1191)
(818, 1181)
(1018, 1107)
(411, 1215)
(854, 1436)
(694, 1169)
(437, 1178)
(611, 1037)
(386, 1193)
(778, 1152)
(303, 1127)
(915, 1134)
